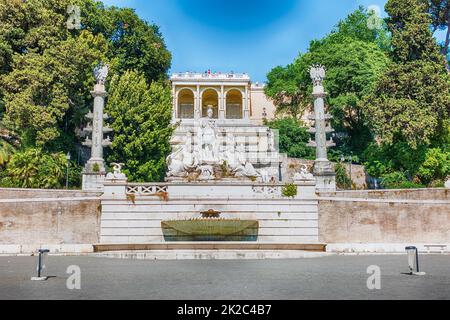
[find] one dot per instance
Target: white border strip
(19, 200)
(384, 200)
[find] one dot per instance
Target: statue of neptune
(207, 139)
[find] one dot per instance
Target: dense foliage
(388, 92)
(354, 56)
(34, 168)
(46, 67)
(292, 137)
(439, 11)
(410, 104)
(343, 180)
(141, 115)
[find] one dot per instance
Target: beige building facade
(232, 97)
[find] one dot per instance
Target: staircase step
(209, 254)
(314, 247)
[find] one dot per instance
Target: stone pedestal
(326, 182)
(93, 181)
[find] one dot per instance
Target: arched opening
(233, 105)
(186, 104)
(210, 99)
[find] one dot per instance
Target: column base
(325, 175)
(95, 165)
(93, 181)
(326, 182)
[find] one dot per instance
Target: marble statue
(270, 140)
(183, 160)
(206, 172)
(317, 74)
(207, 139)
(264, 175)
(175, 163)
(246, 168)
(230, 156)
(304, 174)
(117, 172)
(205, 158)
(101, 73)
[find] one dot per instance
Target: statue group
(204, 159)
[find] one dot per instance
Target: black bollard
(42, 253)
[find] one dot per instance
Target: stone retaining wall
(70, 220)
(387, 216)
(49, 217)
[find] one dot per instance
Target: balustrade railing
(193, 75)
(145, 190)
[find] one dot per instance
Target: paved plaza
(330, 277)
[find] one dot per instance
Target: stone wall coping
(213, 200)
(18, 200)
(383, 200)
(211, 183)
(385, 190)
(55, 190)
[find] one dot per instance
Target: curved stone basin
(210, 230)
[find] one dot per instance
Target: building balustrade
(195, 75)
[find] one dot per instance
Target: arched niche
(233, 109)
(186, 104)
(210, 99)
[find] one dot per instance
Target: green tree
(134, 44)
(343, 180)
(409, 107)
(46, 69)
(6, 151)
(292, 137)
(44, 91)
(354, 56)
(9, 142)
(440, 15)
(411, 100)
(141, 115)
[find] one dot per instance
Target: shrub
(436, 166)
(398, 180)
(393, 180)
(437, 184)
(293, 137)
(343, 181)
(95, 167)
(289, 190)
(33, 168)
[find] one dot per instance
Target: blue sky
(250, 36)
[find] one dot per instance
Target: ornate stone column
(222, 103)
(245, 104)
(174, 104)
(197, 104)
(94, 171)
(323, 169)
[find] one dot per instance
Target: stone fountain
(200, 157)
(210, 227)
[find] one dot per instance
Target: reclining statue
(183, 160)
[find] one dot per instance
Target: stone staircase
(281, 221)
